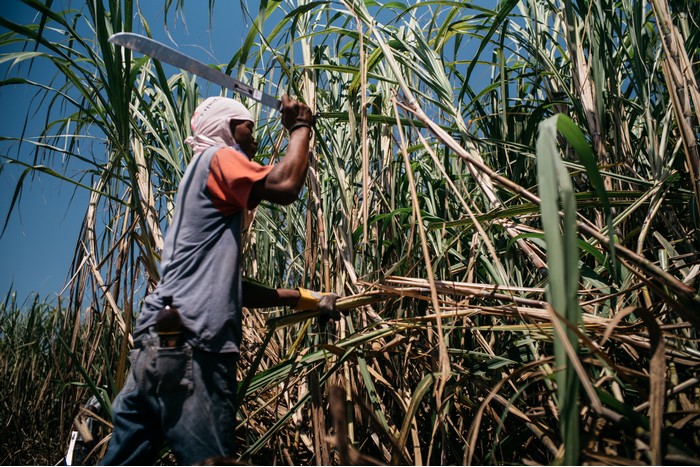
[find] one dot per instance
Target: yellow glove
(309, 299)
(324, 302)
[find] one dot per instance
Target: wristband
(298, 125)
(308, 300)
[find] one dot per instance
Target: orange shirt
(231, 178)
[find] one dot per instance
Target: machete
(165, 54)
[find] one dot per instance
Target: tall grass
(48, 369)
(516, 180)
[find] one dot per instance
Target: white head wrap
(211, 122)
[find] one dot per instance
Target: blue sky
(39, 241)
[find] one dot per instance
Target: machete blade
(165, 54)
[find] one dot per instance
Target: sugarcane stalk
(343, 304)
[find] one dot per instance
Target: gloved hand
(323, 302)
(328, 309)
(296, 114)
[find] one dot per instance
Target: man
(186, 394)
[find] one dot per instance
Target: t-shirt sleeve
(231, 178)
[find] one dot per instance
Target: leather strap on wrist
(298, 125)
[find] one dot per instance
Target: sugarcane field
(358, 232)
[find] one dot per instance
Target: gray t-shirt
(201, 255)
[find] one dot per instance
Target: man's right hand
(286, 179)
(295, 113)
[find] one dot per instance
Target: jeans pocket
(174, 369)
(226, 370)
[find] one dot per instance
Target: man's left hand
(327, 306)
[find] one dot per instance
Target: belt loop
(144, 339)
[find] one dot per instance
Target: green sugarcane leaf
(420, 392)
(562, 260)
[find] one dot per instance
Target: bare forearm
(258, 296)
(288, 176)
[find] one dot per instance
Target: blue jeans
(181, 395)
